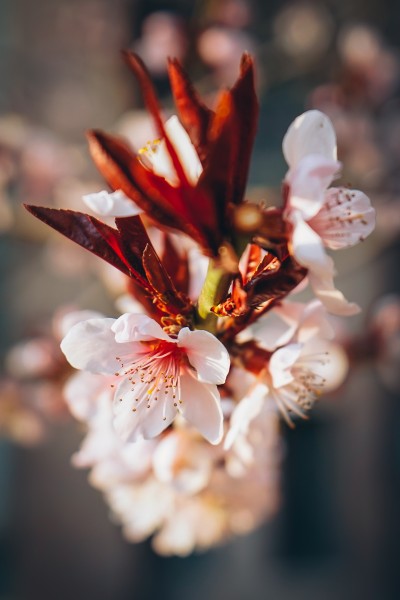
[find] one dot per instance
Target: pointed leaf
(176, 263)
(159, 279)
(122, 170)
(151, 101)
(246, 111)
(84, 230)
(194, 115)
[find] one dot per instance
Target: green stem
(214, 290)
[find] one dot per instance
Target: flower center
(154, 375)
(300, 395)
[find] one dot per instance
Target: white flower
(293, 378)
(289, 322)
(335, 217)
(115, 204)
(157, 157)
(159, 376)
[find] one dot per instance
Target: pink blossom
(321, 217)
(159, 375)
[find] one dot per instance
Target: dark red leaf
(246, 111)
(194, 115)
(276, 283)
(176, 263)
(216, 180)
(122, 170)
(84, 230)
(159, 279)
(230, 140)
(151, 101)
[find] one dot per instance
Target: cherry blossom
(159, 376)
(334, 217)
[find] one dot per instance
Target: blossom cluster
(183, 393)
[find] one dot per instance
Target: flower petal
(138, 328)
(245, 412)
(333, 300)
(81, 393)
(308, 249)
(201, 406)
(345, 218)
(91, 346)
(308, 182)
(206, 354)
(184, 149)
(281, 362)
(115, 204)
(142, 419)
(311, 133)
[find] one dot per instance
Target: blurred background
(335, 534)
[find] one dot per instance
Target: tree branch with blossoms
(226, 362)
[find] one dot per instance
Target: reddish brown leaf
(194, 115)
(253, 260)
(272, 281)
(159, 279)
(216, 180)
(268, 265)
(245, 121)
(122, 170)
(151, 101)
(84, 230)
(176, 264)
(276, 283)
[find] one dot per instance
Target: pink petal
(333, 300)
(281, 362)
(202, 407)
(206, 354)
(114, 204)
(245, 412)
(308, 249)
(184, 148)
(308, 182)
(91, 346)
(273, 331)
(311, 133)
(135, 421)
(345, 218)
(81, 392)
(138, 328)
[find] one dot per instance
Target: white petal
(81, 393)
(201, 406)
(308, 182)
(314, 322)
(138, 328)
(145, 419)
(293, 321)
(206, 354)
(345, 218)
(273, 331)
(281, 362)
(183, 462)
(64, 322)
(184, 148)
(333, 300)
(311, 133)
(115, 204)
(245, 412)
(91, 346)
(308, 249)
